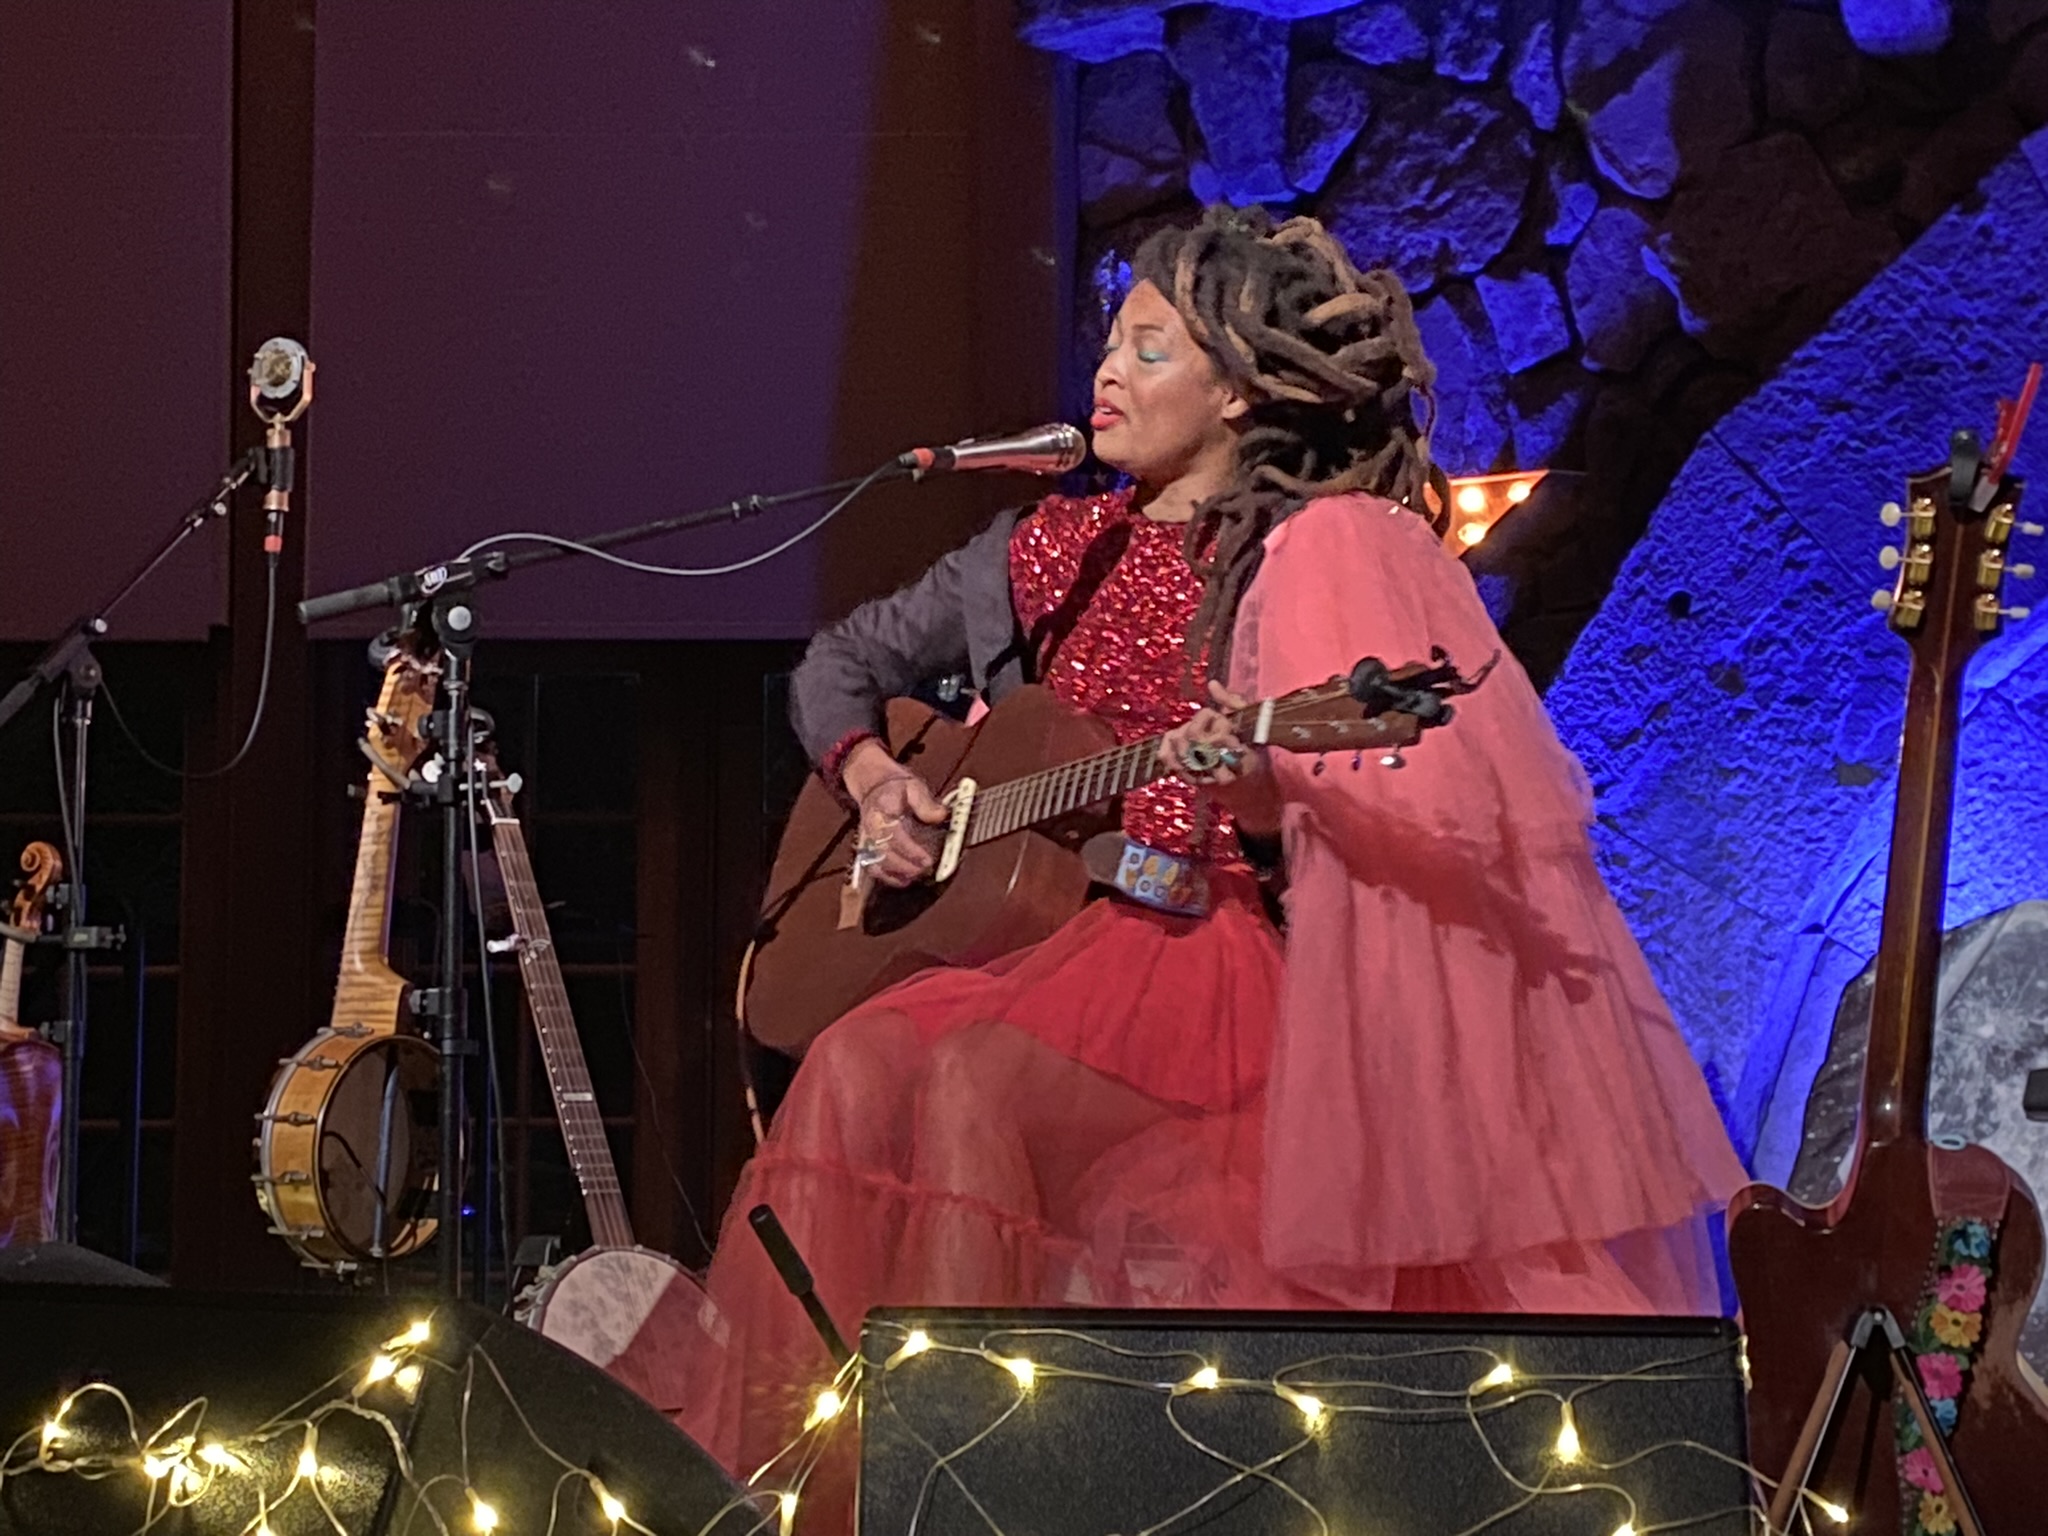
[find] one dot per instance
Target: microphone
(1052, 449)
(280, 370)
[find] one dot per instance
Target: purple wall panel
(114, 372)
(579, 266)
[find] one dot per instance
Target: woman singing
(1449, 1085)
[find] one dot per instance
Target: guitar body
(1011, 892)
(1880, 1247)
(31, 1091)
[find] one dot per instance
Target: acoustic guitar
(1027, 786)
(1808, 1277)
(347, 1147)
(31, 1074)
(599, 1302)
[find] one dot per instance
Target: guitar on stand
(599, 1302)
(31, 1072)
(346, 1149)
(1883, 1329)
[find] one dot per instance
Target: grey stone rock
(1287, 10)
(1954, 158)
(1565, 196)
(1384, 32)
(1127, 105)
(1468, 42)
(1093, 30)
(1893, 29)
(1760, 256)
(2026, 84)
(2007, 19)
(1546, 412)
(1471, 429)
(1435, 186)
(1812, 71)
(1327, 103)
(1235, 66)
(1620, 308)
(1528, 318)
(1663, 86)
(1532, 73)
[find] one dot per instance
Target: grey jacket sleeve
(885, 648)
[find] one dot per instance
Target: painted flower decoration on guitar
(1947, 1332)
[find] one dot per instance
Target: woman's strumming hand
(1242, 782)
(892, 801)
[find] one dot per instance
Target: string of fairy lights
(94, 1434)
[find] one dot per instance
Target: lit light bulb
(1519, 491)
(1311, 1409)
(1568, 1448)
(309, 1464)
(614, 1511)
(52, 1433)
(407, 1379)
(265, 1530)
(1499, 1376)
(1022, 1369)
(1833, 1511)
(1471, 498)
(1471, 533)
(1626, 1528)
(383, 1368)
(156, 1468)
(1742, 1359)
(421, 1331)
(787, 1501)
(916, 1343)
(481, 1515)
(827, 1407)
(1206, 1379)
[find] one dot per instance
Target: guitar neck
(366, 937)
(561, 1050)
(1905, 986)
(1010, 806)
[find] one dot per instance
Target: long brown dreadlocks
(1331, 364)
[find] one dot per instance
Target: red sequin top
(1105, 597)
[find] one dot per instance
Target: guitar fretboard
(561, 1050)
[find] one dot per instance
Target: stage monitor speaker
(489, 1395)
(1311, 1423)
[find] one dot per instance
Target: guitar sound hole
(890, 908)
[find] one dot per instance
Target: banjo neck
(554, 1025)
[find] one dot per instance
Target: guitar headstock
(1375, 708)
(1953, 561)
(395, 739)
(41, 867)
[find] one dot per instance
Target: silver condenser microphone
(1052, 449)
(280, 389)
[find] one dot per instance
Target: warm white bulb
(1626, 1528)
(1022, 1369)
(918, 1342)
(418, 1333)
(827, 1407)
(52, 1433)
(481, 1515)
(309, 1464)
(614, 1511)
(1519, 491)
(265, 1530)
(1471, 498)
(1471, 533)
(407, 1379)
(156, 1468)
(383, 1368)
(1310, 1408)
(1206, 1379)
(1499, 1376)
(1833, 1511)
(788, 1504)
(1568, 1447)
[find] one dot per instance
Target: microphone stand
(69, 658)
(440, 600)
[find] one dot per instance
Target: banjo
(597, 1303)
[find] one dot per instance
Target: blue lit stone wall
(1744, 238)
(1738, 701)
(1617, 216)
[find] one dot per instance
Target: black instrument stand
(69, 660)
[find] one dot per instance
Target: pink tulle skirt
(1083, 1123)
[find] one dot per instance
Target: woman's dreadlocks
(1330, 362)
